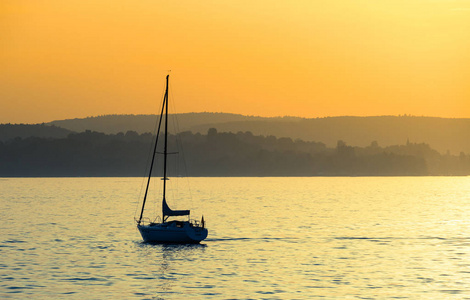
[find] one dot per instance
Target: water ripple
(331, 238)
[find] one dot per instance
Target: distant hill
(11, 131)
(442, 134)
(196, 122)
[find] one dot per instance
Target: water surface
(269, 238)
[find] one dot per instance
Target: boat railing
(143, 221)
(147, 221)
(196, 223)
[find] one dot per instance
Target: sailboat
(165, 230)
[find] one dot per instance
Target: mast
(165, 99)
(165, 151)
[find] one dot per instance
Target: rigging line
(173, 185)
(185, 167)
(147, 165)
(155, 149)
(179, 143)
(175, 127)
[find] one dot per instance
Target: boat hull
(177, 233)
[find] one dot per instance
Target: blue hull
(181, 233)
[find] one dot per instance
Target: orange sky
(77, 58)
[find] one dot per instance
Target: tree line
(441, 133)
(216, 153)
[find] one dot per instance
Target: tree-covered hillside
(219, 154)
(11, 131)
(442, 134)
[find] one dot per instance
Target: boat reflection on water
(162, 269)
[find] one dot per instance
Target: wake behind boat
(174, 231)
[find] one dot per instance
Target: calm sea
(269, 238)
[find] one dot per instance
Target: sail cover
(167, 211)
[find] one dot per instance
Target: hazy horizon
(238, 114)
